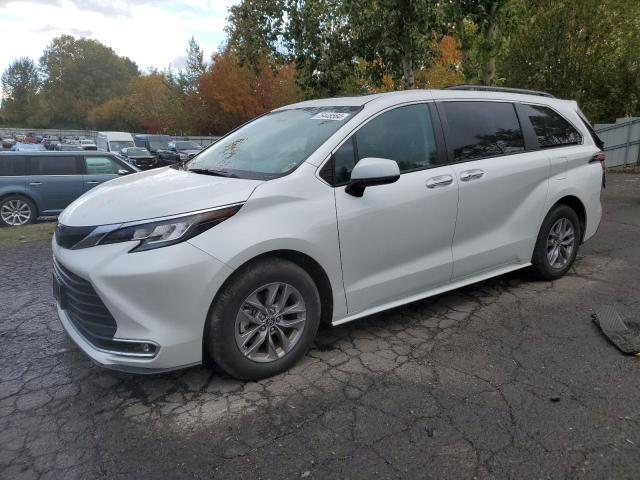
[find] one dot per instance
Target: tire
(16, 210)
(541, 262)
(228, 330)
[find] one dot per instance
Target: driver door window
(404, 134)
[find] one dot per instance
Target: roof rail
(488, 88)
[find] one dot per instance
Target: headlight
(184, 156)
(161, 233)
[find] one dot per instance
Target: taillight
(600, 157)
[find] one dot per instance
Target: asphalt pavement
(507, 378)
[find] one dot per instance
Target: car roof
(152, 135)
(390, 98)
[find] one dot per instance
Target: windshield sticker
(330, 116)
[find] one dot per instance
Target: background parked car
(69, 147)
(158, 145)
(8, 142)
(88, 144)
(186, 149)
(34, 184)
(22, 147)
(114, 141)
(140, 157)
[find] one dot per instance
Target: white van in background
(114, 141)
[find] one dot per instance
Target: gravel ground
(507, 378)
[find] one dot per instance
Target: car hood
(154, 193)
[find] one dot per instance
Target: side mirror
(372, 171)
(122, 171)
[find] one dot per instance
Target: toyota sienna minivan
(323, 211)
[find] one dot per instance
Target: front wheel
(263, 320)
(557, 244)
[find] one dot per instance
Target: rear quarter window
(551, 129)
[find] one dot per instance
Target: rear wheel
(263, 320)
(16, 210)
(557, 244)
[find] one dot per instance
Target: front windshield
(159, 144)
(274, 144)
(187, 146)
(118, 146)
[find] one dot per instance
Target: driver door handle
(439, 181)
(469, 175)
(93, 182)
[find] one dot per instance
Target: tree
(401, 33)
(482, 27)
(151, 102)
(80, 74)
(234, 93)
(188, 79)
(586, 51)
(20, 86)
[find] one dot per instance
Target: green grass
(10, 236)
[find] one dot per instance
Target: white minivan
(114, 141)
(323, 211)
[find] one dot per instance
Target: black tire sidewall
(219, 336)
(539, 260)
(32, 206)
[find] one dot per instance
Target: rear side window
(11, 166)
(54, 165)
(482, 129)
(551, 129)
(101, 166)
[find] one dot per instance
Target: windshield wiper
(209, 171)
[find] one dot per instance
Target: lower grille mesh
(84, 307)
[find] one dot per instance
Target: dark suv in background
(158, 145)
(34, 184)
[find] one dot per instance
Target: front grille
(67, 237)
(84, 307)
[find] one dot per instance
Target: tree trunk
(407, 72)
(464, 50)
(490, 37)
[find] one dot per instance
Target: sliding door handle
(474, 174)
(439, 181)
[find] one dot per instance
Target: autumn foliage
(232, 93)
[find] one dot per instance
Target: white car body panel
(383, 237)
(398, 243)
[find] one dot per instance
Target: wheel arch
(309, 265)
(577, 206)
(304, 261)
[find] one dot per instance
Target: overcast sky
(153, 33)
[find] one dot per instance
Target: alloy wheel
(270, 322)
(15, 212)
(560, 243)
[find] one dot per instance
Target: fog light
(146, 348)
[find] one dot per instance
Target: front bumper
(159, 296)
